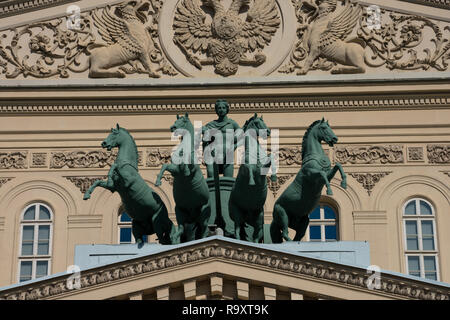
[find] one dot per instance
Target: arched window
(125, 229)
(420, 239)
(323, 224)
(36, 242)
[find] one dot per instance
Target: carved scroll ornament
(369, 154)
(122, 36)
(438, 153)
(82, 159)
(332, 33)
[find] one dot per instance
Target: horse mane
(134, 143)
(247, 123)
(308, 131)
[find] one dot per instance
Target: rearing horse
(190, 190)
(301, 197)
(145, 207)
(247, 198)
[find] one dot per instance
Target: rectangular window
(27, 240)
(125, 235)
(26, 270)
(315, 233)
(43, 240)
(429, 263)
(41, 269)
(414, 265)
(427, 235)
(412, 236)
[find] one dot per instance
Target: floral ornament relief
(122, 36)
(399, 42)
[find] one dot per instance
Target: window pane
(125, 235)
(29, 214)
(315, 214)
(314, 233)
(44, 214)
(411, 207)
(330, 233)
(43, 240)
(41, 268)
(329, 213)
(414, 266)
(412, 239)
(427, 235)
(26, 268)
(27, 240)
(425, 208)
(430, 268)
(124, 217)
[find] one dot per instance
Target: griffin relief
(127, 38)
(326, 33)
(227, 39)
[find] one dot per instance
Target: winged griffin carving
(227, 39)
(325, 36)
(128, 39)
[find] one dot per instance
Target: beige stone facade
(391, 117)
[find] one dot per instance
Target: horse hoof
(158, 183)
(86, 197)
(344, 185)
(329, 192)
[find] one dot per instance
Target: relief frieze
(82, 159)
(390, 154)
(224, 38)
(14, 160)
(438, 153)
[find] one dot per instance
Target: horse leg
(301, 228)
(203, 220)
(138, 232)
(236, 214)
(173, 169)
(164, 228)
(258, 232)
(181, 220)
(280, 220)
(331, 175)
(251, 179)
(108, 184)
(323, 175)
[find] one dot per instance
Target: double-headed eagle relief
(227, 39)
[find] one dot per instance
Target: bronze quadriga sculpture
(246, 205)
(300, 198)
(190, 190)
(147, 210)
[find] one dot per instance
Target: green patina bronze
(246, 204)
(301, 197)
(147, 210)
(190, 191)
(222, 124)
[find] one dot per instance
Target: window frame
(322, 222)
(418, 218)
(36, 223)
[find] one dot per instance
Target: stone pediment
(221, 268)
(167, 41)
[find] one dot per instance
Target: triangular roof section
(228, 268)
(62, 46)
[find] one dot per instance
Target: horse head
(182, 123)
(326, 134)
(256, 123)
(114, 139)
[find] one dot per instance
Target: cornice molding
(443, 4)
(251, 256)
(325, 103)
(14, 7)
